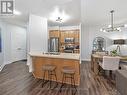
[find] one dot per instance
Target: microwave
(69, 40)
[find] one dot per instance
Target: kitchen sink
(52, 53)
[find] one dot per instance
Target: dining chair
(110, 63)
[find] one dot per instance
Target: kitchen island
(59, 60)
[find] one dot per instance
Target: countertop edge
(54, 56)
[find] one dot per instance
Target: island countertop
(61, 55)
(38, 59)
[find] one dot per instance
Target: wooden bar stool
(68, 72)
(50, 69)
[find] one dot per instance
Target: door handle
(18, 48)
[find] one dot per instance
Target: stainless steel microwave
(69, 40)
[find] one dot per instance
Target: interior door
(18, 44)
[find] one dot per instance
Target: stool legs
(44, 81)
(50, 77)
(63, 78)
(72, 82)
(50, 74)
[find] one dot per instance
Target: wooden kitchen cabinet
(62, 34)
(76, 34)
(59, 61)
(71, 34)
(54, 33)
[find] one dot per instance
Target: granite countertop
(60, 55)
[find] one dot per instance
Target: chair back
(100, 52)
(110, 63)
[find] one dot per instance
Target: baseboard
(86, 60)
(1, 67)
(19, 60)
(7, 62)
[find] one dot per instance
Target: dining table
(95, 58)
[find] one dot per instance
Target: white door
(18, 44)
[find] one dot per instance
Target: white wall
(5, 55)
(84, 32)
(7, 44)
(38, 34)
(2, 26)
(37, 37)
(8, 41)
(109, 37)
(93, 32)
(18, 42)
(84, 42)
(89, 32)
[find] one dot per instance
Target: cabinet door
(54, 33)
(71, 34)
(62, 36)
(76, 36)
(51, 34)
(66, 34)
(76, 33)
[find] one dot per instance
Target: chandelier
(112, 27)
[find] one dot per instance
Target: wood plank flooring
(16, 80)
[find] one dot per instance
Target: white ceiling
(97, 11)
(92, 11)
(45, 8)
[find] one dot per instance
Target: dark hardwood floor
(16, 80)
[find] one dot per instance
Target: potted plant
(114, 53)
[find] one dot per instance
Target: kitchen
(59, 55)
(64, 39)
(63, 51)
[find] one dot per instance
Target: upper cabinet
(69, 34)
(63, 34)
(54, 33)
(67, 39)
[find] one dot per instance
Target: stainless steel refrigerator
(54, 44)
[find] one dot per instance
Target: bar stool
(68, 72)
(51, 70)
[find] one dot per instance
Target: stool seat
(68, 70)
(48, 67)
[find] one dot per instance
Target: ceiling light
(101, 29)
(104, 30)
(58, 16)
(112, 27)
(119, 28)
(125, 25)
(17, 12)
(59, 19)
(109, 26)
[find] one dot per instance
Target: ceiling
(98, 11)
(44, 8)
(91, 12)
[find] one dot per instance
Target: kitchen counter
(61, 55)
(39, 59)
